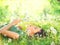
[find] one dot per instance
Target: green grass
(25, 40)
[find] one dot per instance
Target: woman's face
(31, 30)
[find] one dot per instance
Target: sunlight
(31, 7)
(26, 7)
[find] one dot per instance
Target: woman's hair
(41, 33)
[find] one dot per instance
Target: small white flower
(52, 43)
(53, 30)
(22, 33)
(21, 23)
(5, 43)
(48, 30)
(9, 40)
(40, 35)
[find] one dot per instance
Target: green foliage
(55, 7)
(4, 14)
(25, 40)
